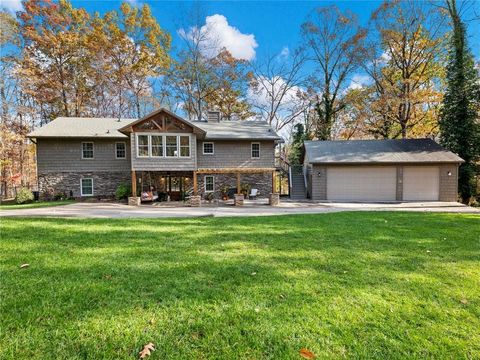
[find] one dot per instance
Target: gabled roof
(128, 127)
(80, 127)
(378, 152)
(245, 130)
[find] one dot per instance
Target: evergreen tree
(459, 126)
(298, 137)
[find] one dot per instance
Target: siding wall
(164, 163)
(319, 183)
(236, 153)
(65, 155)
(448, 184)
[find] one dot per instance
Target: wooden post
(195, 183)
(273, 182)
(238, 183)
(134, 183)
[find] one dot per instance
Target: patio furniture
(253, 194)
(149, 196)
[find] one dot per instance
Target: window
(157, 145)
(184, 146)
(86, 187)
(171, 142)
(142, 145)
(209, 184)
(87, 150)
(255, 150)
(208, 148)
(120, 150)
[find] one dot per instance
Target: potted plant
(224, 190)
(209, 197)
(245, 189)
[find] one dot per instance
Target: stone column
(274, 199)
(134, 201)
(239, 199)
(195, 201)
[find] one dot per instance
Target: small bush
(59, 196)
(123, 191)
(24, 196)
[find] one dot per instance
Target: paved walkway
(253, 208)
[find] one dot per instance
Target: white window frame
(205, 183)
(148, 146)
(81, 187)
(116, 153)
(93, 150)
(164, 145)
(213, 148)
(251, 150)
(179, 146)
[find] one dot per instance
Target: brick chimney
(213, 116)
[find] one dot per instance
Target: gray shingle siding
(236, 153)
(65, 155)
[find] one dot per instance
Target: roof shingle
(378, 152)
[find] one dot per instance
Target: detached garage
(380, 170)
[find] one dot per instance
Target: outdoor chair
(253, 194)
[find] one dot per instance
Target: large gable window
(142, 145)
(171, 146)
(184, 146)
(87, 150)
(157, 145)
(150, 145)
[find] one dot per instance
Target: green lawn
(345, 285)
(36, 204)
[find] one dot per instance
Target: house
(88, 157)
(380, 170)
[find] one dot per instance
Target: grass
(36, 204)
(345, 285)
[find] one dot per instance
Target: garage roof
(378, 152)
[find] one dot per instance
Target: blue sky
(273, 24)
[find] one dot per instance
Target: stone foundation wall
(104, 183)
(262, 182)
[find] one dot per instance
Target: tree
(295, 149)
(276, 89)
(229, 86)
(131, 49)
(459, 126)
(406, 69)
(335, 40)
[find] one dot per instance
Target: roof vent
(213, 116)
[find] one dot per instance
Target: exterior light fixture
(449, 173)
(319, 174)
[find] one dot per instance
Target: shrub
(24, 196)
(123, 191)
(59, 196)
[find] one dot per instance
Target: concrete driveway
(253, 208)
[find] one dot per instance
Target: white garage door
(421, 182)
(361, 183)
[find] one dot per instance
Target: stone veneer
(104, 183)
(260, 181)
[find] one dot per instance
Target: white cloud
(285, 52)
(220, 34)
(358, 81)
(11, 5)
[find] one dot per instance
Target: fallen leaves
(307, 354)
(147, 350)
(23, 266)
(464, 301)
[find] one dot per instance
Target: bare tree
(276, 89)
(334, 39)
